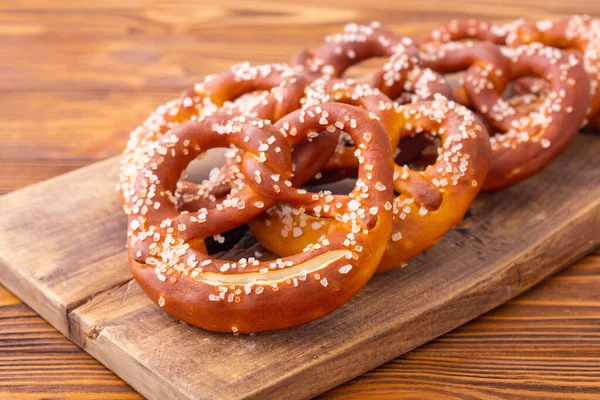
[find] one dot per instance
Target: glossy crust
(284, 91)
(530, 134)
(286, 124)
(579, 35)
(430, 201)
(530, 138)
(481, 59)
(165, 246)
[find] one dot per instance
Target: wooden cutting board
(62, 250)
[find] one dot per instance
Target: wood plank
(544, 344)
(59, 265)
(54, 276)
(530, 349)
(134, 45)
(511, 240)
(38, 362)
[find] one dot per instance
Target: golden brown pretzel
(579, 33)
(402, 73)
(528, 141)
(285, 90)
(529, 137)
(165, 246)
(430, 201)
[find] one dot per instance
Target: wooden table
(77, 76)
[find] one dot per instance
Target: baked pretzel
(165, 246)
(580, 34)
(341, 164)
(285, 91)
(357, 43)
(528, 141)
(430, 201)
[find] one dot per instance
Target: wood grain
(542, 345)
(77, 76)
(77, 278)
(36, 361)
(530, 347)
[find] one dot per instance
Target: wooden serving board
(62, 250)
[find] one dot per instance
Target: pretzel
(430, 201)
(357, 43)
(285, 90)
(580, 34)
(470, 31)
(342, 163)
(528, 141)
(165, 246)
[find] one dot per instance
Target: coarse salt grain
(345, 269)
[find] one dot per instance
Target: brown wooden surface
(76, 276)
(75, 77)
(531, 346)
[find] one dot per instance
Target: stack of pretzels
(419, 146)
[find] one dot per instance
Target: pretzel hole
(246, 103)
(418, 151)
(332, 174)
(343, 185)
(455, 79)
(525, 85)
(226, 241)
(456, 82)
(362, 70)
(201, 168)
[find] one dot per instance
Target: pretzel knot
(284, 86)
(430, 201)
(165, 245)
(361, 95)
(401, 73)
(484, 61)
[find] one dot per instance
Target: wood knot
(94, 332)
